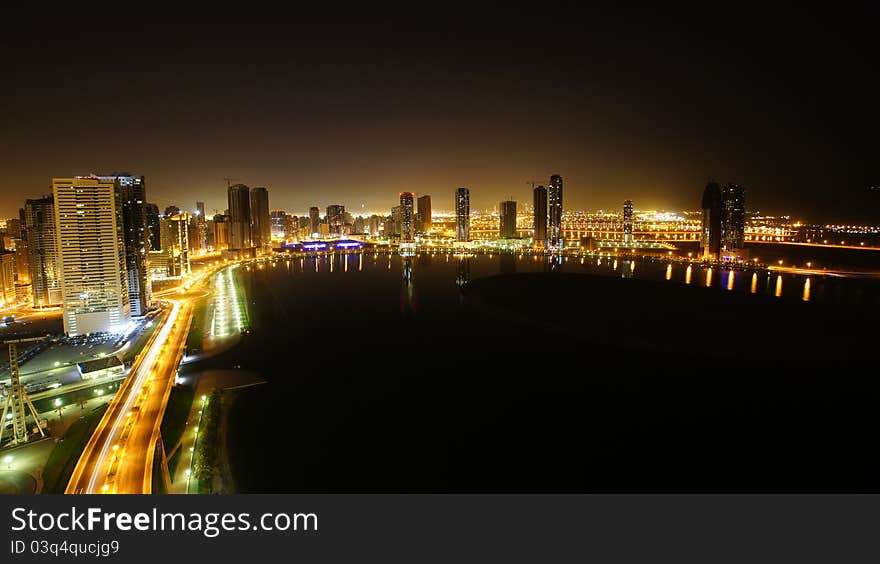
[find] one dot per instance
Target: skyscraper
(507, 219)
(539, 236)
(136, 237)
(239, 217)
(7, 278)
(261, 228)
(91, 252)
(336, 218)
(43, 251)
(554, 205)
(627, 222)
(152, 213)
(406, 217)
(176, 243)
(202, 222)
(733, 217)
(314, 220)
(425, 213)
(221, 232)
(710, 235)
(462, 215)
(279, 223)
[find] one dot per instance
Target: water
(382, 377)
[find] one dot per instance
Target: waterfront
(383, 377)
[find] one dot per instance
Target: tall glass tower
(406, 217)
(627, 222)
(507, 220)
(554, 204)
(462, 215)
(710, 235)
(239, 217)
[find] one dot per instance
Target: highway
(119, 456)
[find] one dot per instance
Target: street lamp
(7, 460)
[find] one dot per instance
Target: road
(119, 456)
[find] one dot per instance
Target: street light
(7, 460)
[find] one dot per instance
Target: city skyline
(642, 116)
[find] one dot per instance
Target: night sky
(353, 108)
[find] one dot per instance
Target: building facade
(627, 222)
(733, 217)
(39, 215)
(507, 219)
(407, 228)
(424, 214)
(554, 212)
(462, 215)
(261, 226)
(239, 199)
(136, 238)
(91, 254)
(539, 201)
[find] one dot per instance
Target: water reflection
(463, 274)
(754, 287)
(806, 295)
(730, 280)
(709, 276)
(407, 287)
(669, 271)
(687, 274)
(778, 292)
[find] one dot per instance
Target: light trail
(143, 371)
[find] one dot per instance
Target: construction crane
(17, 398)
(229, 181)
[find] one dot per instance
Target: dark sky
(353, 108)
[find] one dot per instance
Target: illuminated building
(91, 254)
(221, 232)
(507, 219)
(279, 223)
(710, 235)
(239, 217)
(462, 215)
(261, 229)
(555, 211)
(314, 220)
(627, 222)
(7, 278)
(733, 217)
(406, 217)
(152, 213)
(539, 235)
(424, 214)
(202, 221)
(175, 243)
(336, 219)
(43, 251)
(136, 238)
(374, 223)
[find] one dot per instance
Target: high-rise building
(7, 278)
(171, 210)
(91, 254)
(239, 217)
(221, 232)
(136, 238)
(314, 220)
(733, 217)
(374, 223)
(176, 243)
(278, 218)
(539, 237)
(336, 218)
(202, 222)
(462, 215)
(507, 219)
(710, 235)
(424, 213)
(152, 213)
(43, 251)
(627, 222)
(261, 228)
(555, 211)
(407, 230)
